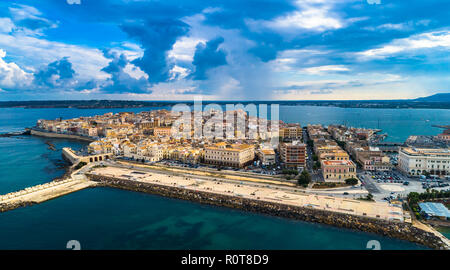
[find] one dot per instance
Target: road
(368, 184)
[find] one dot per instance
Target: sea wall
(11, 206)
(403, 231)
(59, 135)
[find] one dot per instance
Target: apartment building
(232, 155)
(338, 170)
(293, 155)
(266, 156)
(373, 159)
(291, 131)
(162, 131)
(333, 154)
(416, 161)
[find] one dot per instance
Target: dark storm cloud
(55, 73)
(157, 37)
(208, 56)
(121, 81)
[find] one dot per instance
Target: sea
(105, 218)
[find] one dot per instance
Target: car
(345, 193)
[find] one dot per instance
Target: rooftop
(338, 163)
(435, 209)
(426, 151)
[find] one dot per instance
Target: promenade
(290, 197)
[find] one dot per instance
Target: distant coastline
(432, 102)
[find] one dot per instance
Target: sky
(224, 50)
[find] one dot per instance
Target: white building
(233, 155)
(266, 156)
(416, 161)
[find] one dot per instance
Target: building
(232, 155)
(292, 131)
(445, 136)
(162, 131)
(266, 156)
(338, 170)
(434, 210)
(373, 159)
(333, 154)
(417, 161)
(293, 155)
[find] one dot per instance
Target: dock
(45, 192)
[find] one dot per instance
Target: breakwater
(41, 193)
(403, 231)
(40, 133)
(11, 206)
(18, 133)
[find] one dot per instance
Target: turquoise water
(445, 232)
(397, 123)
(115, 219)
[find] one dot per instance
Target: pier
(43, 192)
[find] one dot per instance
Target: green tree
(304, 179)
(317, 165)
(351, 181)
(80, 165)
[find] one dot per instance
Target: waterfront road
(351, 193)
(368, 184)
(254, 191)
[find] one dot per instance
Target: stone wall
(403, 231)
(58, 135)
(11, 206)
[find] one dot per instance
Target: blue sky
(224, 50)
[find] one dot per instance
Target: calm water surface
(105, 218)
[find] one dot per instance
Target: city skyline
(225, 50)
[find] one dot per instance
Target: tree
(351, 181)
(304, 178)
(316, 165)
(80, 165)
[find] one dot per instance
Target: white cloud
(314, 15)
(184, 48)
(11, 75)
(24, 12)
(74, 2)
(135, 72)
(33, 51)
(178, 72)
(6, 25)
(291, 60)
(325, 69)
(438, 39)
